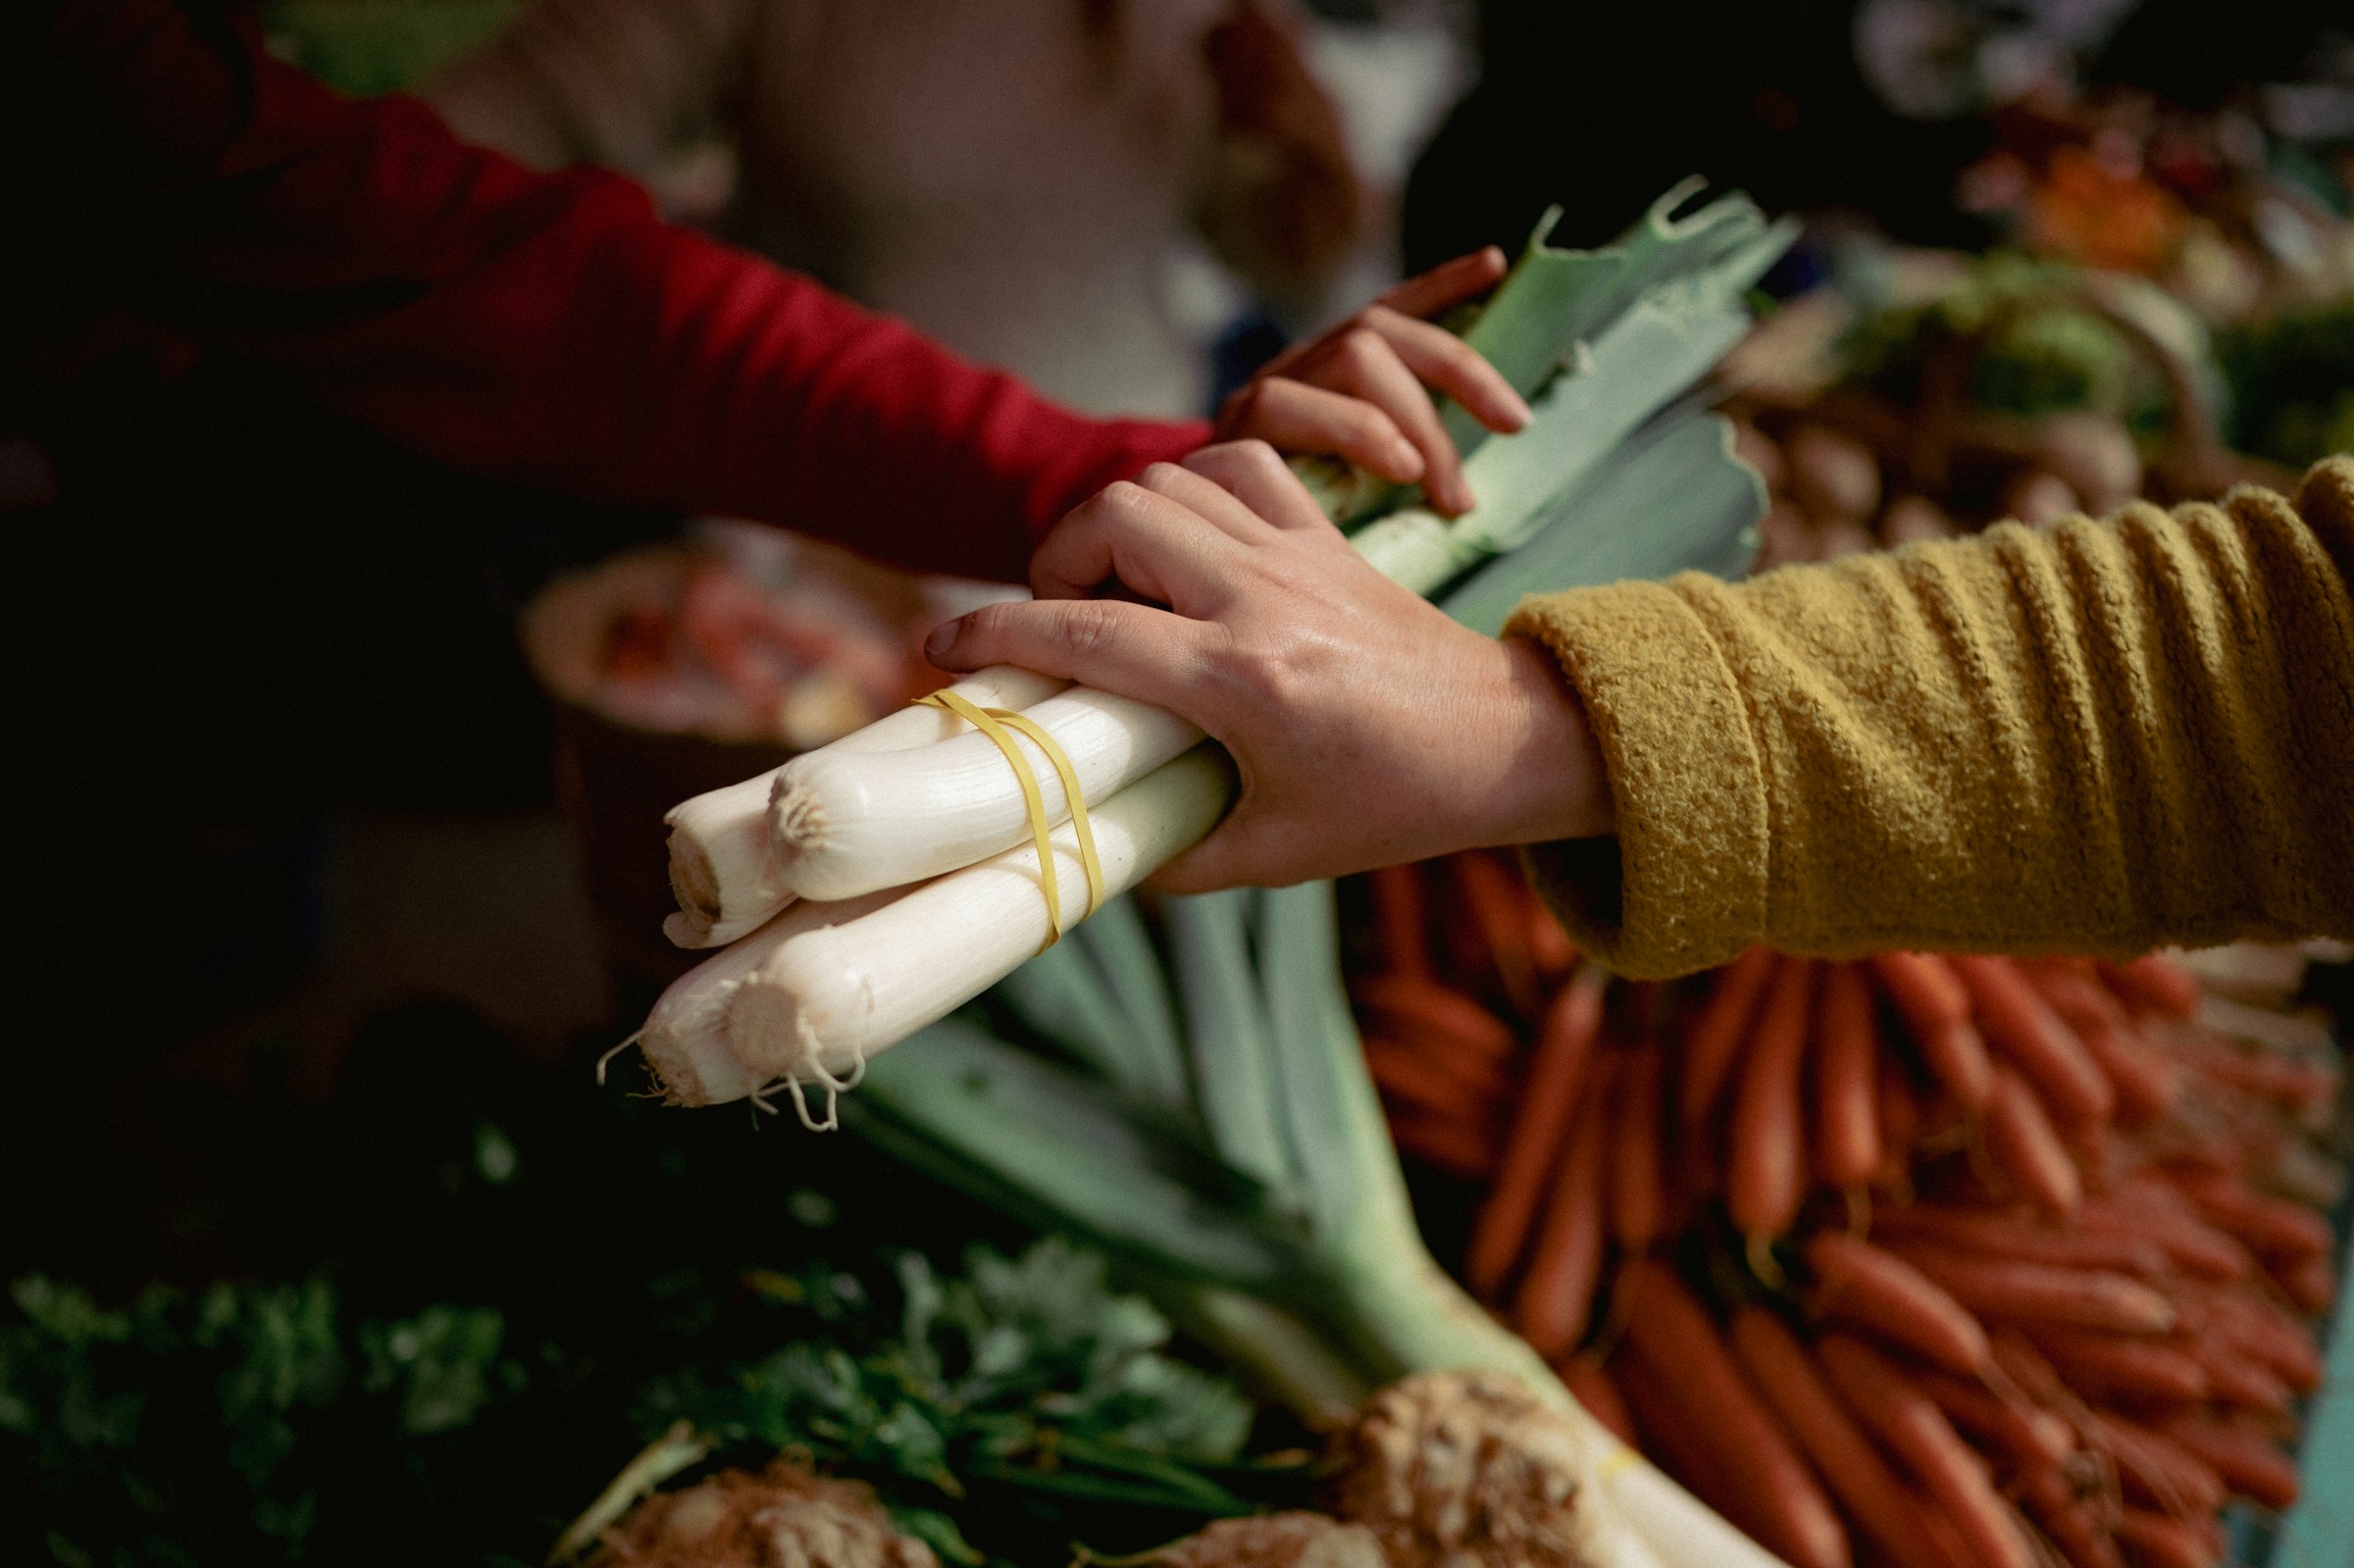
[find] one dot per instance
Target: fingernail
(1520, 413)
(942, 638)
(1406, 458)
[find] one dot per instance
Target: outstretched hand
(1363, 389)
(1368, 727)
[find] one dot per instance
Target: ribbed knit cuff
(1683, 885)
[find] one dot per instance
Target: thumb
(1128, 649)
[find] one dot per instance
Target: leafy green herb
(1028, 1372)
(139, 1421)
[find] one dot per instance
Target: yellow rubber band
(993, 723)
(1070, 793)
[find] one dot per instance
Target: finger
(1258, 477)
(1130, 650)
(1444, 361)
(1298, 418)
(1141, 539)
(1450, 282)
(1210, 500)
(1362, 362)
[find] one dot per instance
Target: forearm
(2103, 738)
(549, 328)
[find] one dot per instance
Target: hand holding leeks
(1267, 631)
(1357, 391)
(1362, 392)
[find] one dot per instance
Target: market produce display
(1933, 1260)
(1184, 1087)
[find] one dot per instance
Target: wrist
(1554, 785)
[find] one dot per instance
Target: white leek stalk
(809, 997)
(722, 870)
(842, 824)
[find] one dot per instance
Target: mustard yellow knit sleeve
(2100, 738)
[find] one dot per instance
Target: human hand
(1362, 391)
(1366, 727)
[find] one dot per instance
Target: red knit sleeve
(550, 328)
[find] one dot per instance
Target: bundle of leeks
(1200, 1107)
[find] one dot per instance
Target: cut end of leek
(719, 866)
(686, 1049)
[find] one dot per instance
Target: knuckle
(1088, 627)
(1124, 500)
(1259, 455)
(1361, 345)
(1372, 428)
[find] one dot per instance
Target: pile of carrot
(1921, 1260)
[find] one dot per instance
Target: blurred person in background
(1049, 187)
(248, 328)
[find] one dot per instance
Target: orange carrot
(1637, 1198)
(2155, 1470)
(1548, 947)
(1458, 1147)
(1902, 1416)
(2155, 984)
(2020, 1026)
(2000, 1232)
(1935, 1007)
(2066, 1521)
(2108, 1368)
(1592, 1386)
(1428, 1017)
(1923, 988)
(2311, 1282)
(1778, 1500)
(2248, 1462)
(2236, 1378)
(1866, 1488)
(1671, 1439)
(1432, 1084)
(1718, 1032)
(1495, 895)
(2028, 1438)
(2272, 1226)
(1565, 1046)
(2026, 1368)
(2147, 1083)
(2014, 1291)
(2025, 1147)
(1401, 926)
(2297, 1088)
(1900, 1116)
(1847, 1125)
(2159, 1542)
(2259, 1330)
(2155, 1212)
(1556, 1299)
(1860, 1284)
(1765, 1176)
